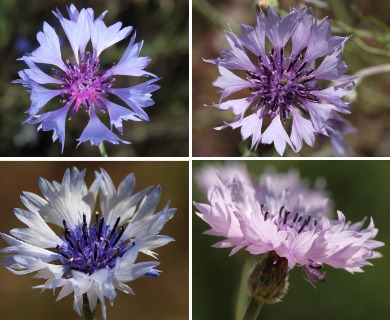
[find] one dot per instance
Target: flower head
(279, 215)
(80, 81)
(284, 83)
(95, 254)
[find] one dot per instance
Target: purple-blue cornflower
(79, 80)
(283, 81)
(97, 250)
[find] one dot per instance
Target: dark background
(164, 297)
(163, 25)
(358, 189)
(370, 111)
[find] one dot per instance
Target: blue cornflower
(81, 83)
(94, 255)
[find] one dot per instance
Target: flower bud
(268, 282)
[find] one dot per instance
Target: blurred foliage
(163, 297)
(358, 189)
(163, 25)
(368, 24)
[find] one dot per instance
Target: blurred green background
(164, 297)
(358, 189)
(163, 25)
(369, 24)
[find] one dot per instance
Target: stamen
(286, 213)
(87, 249)
(119, 235)
(95, 252)
(100, 227)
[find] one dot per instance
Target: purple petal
(275, 133)
(302, 33)
(97, 132)
(254, 38)
(235, 58)
(251, 126)
(278, 32)
(320, 42)
(237, 106)
(301, 129)
(229, 82)
(331, 68)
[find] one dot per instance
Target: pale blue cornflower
(96, 253)
(79, 80)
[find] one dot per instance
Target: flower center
(285, 219)
(90, 248)
(279, 86)
(83, 83)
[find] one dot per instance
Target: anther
(301, 68)
(79, 247)
(114, 227)
(95, 252)
(285, 216)
(119, 235)
(100, 227)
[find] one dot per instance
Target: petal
(302, 129)
(301, 35)
(138, 97)
(118, 114)
(235, 58)
(275, 133)
(67, 201)
(254, 38)
(229, 82)
(54, 120)
(278, 32)
(38, 233)
(103, 37)
(97, 132)
(131, 64)
(238, 106)
(76, 29)
(331, 68)
(320, 42)
(36, 74)
(49, 51)
(39, 96)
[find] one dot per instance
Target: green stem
(102, 150)
(253, 310)
(88, 314)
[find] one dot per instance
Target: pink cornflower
(282, 215)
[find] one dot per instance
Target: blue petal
(138, 97)
(130, 64)
(97, 132)
(54, 120)
(153, 273)
(118, 114)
